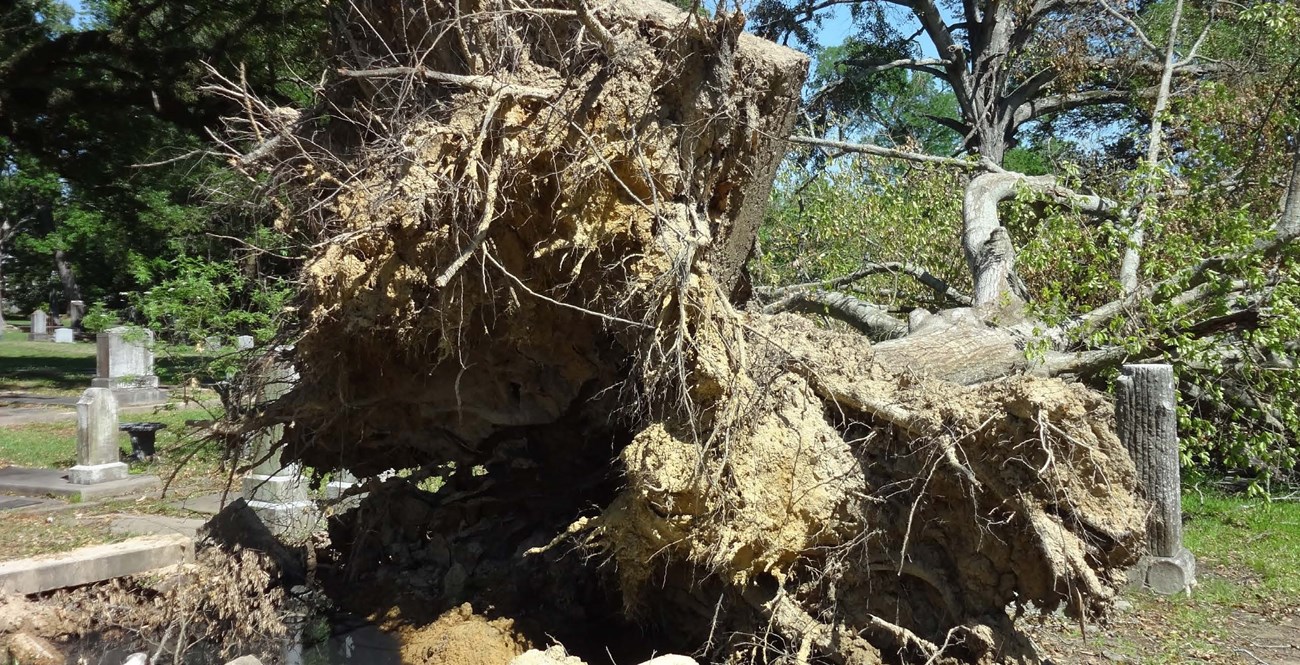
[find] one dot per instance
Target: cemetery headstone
(274, 490)
(124, 364)
(212, 343)
(1147, 422)
(63, 336)
(244, 342)
(76, 310)
(97, 451)
(40, 327)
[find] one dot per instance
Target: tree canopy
(105, 134)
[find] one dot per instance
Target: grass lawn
(25, 535)
(44, 368)
(65, 370)
(1247, 598)
(53, 445)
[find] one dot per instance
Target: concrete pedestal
(288, 521)
(1164, 575)
(93, 474)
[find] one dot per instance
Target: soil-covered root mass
(527, 224)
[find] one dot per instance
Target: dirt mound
(461, 637)
(526, 240)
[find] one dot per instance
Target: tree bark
(989, 254)
(68, 279)
(1288, 225)
(2, 291)
(871, 320)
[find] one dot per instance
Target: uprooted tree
(527, 226)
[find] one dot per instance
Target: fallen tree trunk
(524, 246)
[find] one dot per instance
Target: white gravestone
(124, 363)
(76, 310)
(63, 336)
(244, 342)
(212, 343)
(97, 451)
(40, 327)
(274, 490)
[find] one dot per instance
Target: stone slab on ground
(204, 504)
(20, 502)
(145, 525)
(54, 482)
(94, 564)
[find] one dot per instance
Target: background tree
(1133, 108)
(109, 106)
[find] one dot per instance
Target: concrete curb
(94, 564)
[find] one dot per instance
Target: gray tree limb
(871, 320)
(1038, 108)
(868, 269)
(1288, 225)
(867, 149)
(927, 65)
(1128, 269)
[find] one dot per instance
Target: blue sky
(834, 29)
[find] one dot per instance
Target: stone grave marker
(275, 491)
(97, 451)
(64, 336)
(124, 364)
(40, 327)
(76, 310)
(244, 342)
(1147, 423)
(212, 343)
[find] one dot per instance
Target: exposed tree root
(522, 270)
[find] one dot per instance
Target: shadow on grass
(25, 373)
(177, 368)
(45, 367)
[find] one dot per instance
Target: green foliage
(83, 105)
(859, 211)
(98, 318)
(199, 298)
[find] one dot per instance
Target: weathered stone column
(76, 311)
(274, 490)
(40, 331)
(124, 363)
(97, 451)
(1147, 423)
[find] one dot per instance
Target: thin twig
(608, 317)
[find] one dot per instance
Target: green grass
(1259, 537)
(1248, 560)
(27, 535)
(44, 368)
(54, 445)
(65, 370)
